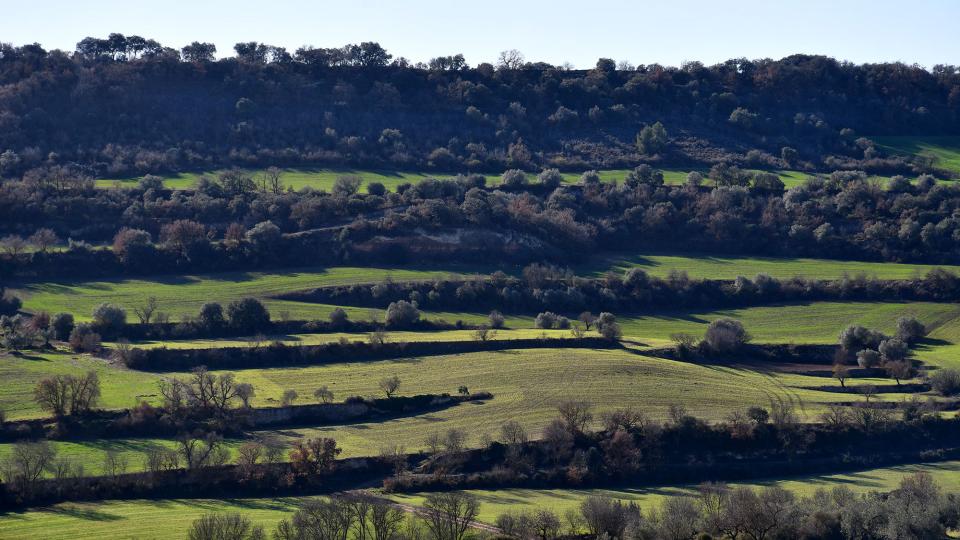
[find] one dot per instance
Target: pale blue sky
(640, 31)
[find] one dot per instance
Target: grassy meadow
(495, 502)
(527, 386)
(324, 178)
(156, 519)
(944, 152)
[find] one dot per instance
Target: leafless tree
(232, 526)
(575, 415)
(448, 515)
(323, 394)
(389, 385)
(43, 239)
(145, 313)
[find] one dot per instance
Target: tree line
(161, 109)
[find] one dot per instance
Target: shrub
(611, 331)
(513, 178)
(248, 315)
(376, 188)
(590, 178)
(893, 350)
(62, 325)
(868, 358)
(211, 316)
(546, 319)
(496, 319)
(338, 317)
(84, 339)
(910, 329)
(550, 178)
(856, 337)
(726, 335)
(402, 314)
(109, 319)
(945, 382)
(264, 236)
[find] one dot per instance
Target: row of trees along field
(227, 223)
(161, 109)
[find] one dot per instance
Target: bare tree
(840, 373)
(248, 456)
(512, 432)
(575, 415)
(145, 313)
(232, 526)
(323, 394)
(245, 392)
(448, 515)
(43, 239)
(288, 397)
(13, 245)
(484, 333)
(385, 521)
(26, 463)
(389, 385)
(510, 60)
(202, 450)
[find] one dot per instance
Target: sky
(668, 32)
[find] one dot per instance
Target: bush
(893, 350)
(83, 338)
(546, 320)
(62, 325)
(868, 358)
(910, 329)
(856, 337)
(945, 382)
(248, 315)
(496, 319)
(402, 314)
(513, 178)
(376, 188)
(726, 335)
(109, 320)
(550, 178)
(338, 317)
(9, 304)
(211, 316)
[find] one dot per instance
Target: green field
(704, 266)
(179, 295)
(136, 519)
(944, 152)
(496, 502)
(527, 386)
(324, 178)
(156, 519)
(819, 322)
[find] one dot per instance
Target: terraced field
(178, 295)
(729, 267)
(155, 519)
(527, 386)
(494, 503)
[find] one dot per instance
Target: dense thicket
(126, 105)
(225, 225)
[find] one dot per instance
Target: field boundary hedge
(279, 355)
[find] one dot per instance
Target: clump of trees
(63, 395)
